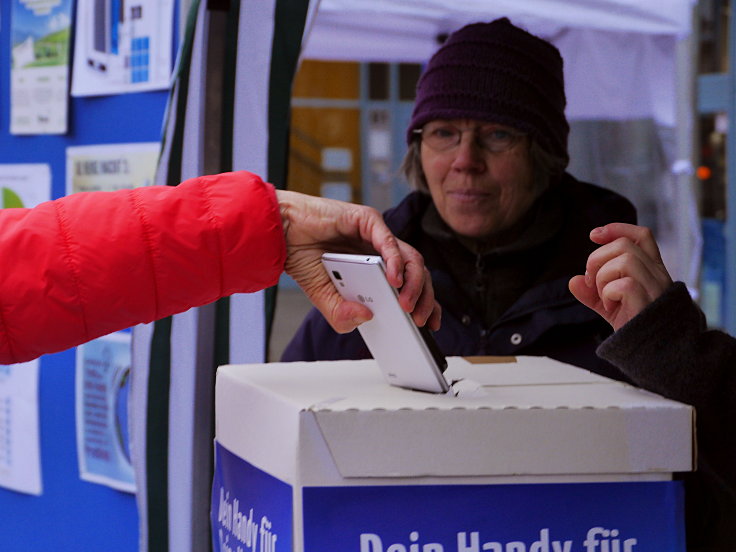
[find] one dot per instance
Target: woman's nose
(469, 154)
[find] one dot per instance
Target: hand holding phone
(407, 355)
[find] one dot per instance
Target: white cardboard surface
(328, 421)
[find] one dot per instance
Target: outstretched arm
(662, 342)
(92, 263)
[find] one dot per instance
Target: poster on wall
(122, 46)
(21, 185)
(39, 75)
(20, 457)
(110, 167)
(24, 184)
(103, 365)
(102, 388)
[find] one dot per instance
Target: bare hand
(622, 276)
(313, 226)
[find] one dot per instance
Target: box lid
(519, 416)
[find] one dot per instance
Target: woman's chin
(473, 232)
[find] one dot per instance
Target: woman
(501, 226)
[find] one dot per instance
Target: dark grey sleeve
(660, 348)
(669, 350)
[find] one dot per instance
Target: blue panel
(115, 26)
(730, 227)
(713, 274)
(251, 510)
(595, 517)
(250, 505)
(713, 93)
(70, 515)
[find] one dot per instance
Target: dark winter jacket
(668, 349)
(542, 317)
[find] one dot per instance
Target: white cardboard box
(532, 456)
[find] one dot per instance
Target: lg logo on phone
(364, 299)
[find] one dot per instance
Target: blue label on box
(573, 517)
(251, 511)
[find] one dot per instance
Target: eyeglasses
(444, 136)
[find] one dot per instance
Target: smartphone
(406, 354)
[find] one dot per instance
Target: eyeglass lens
(493, 138)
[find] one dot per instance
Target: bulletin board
(70, 514)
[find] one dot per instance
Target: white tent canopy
(619, 54)
(621, 64)
(405, 30)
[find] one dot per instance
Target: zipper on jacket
(482, 293)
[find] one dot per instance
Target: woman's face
(478, 192)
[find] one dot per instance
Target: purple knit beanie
(499, 73)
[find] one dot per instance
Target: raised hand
(622, 276)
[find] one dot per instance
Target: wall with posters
(70, 513)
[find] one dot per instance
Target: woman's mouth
(468, 195)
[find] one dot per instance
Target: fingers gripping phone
(407, 355)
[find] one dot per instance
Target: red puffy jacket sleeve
(92, 263)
